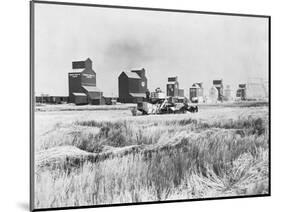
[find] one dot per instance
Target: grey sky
(194, 47)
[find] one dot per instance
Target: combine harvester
(164, 106)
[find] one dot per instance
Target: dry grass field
(90, 157)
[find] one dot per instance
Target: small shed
(80, 98)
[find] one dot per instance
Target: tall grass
(92, 135)
(152, 160)
(196, 170)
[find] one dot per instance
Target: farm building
(227, 93)
(241, 91)
(213, 95)
(173, 89)
(219, 86)
(172, 86)
(82, 84)
(196, 92)
(181, 92)
(254, 89)
(132, 86)
(46, 99)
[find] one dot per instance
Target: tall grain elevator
(173, 89)
(132, 86)
(196, 94)
(82, 84)
(218, 84)
(172, 86)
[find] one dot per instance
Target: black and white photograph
(141, 105)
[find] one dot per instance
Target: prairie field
(90, 157)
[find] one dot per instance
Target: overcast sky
(194, 47)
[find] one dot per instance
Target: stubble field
(90, 157)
